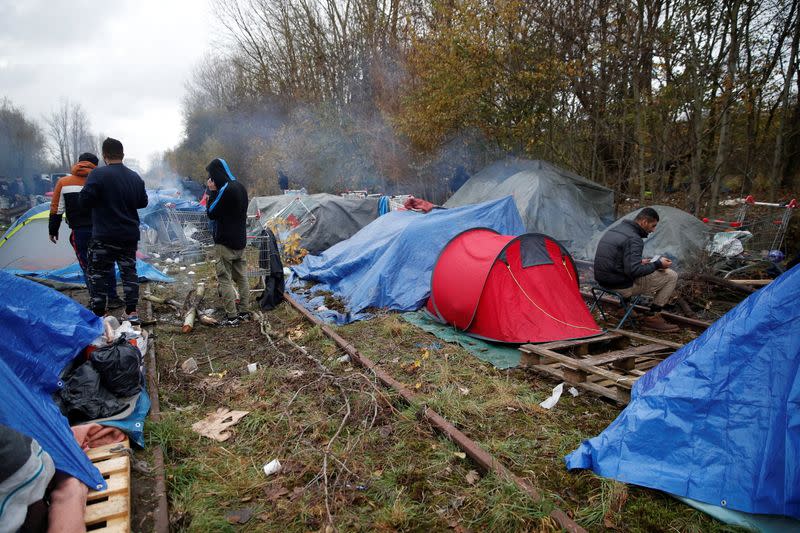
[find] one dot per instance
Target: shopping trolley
(745, 241)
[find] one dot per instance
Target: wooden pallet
(607, 365)
(109, 510)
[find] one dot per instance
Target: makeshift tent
(719, 420)
(389, 263)
(26, 250)
(551, 200)
(25, 245)
(509, 289)
(679, 235)
(321, 220)
(42, 331)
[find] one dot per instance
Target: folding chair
(626, 303)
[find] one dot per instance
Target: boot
(657, 323)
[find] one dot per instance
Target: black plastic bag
(84, 398)
(119, 366)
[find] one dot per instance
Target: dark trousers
(79, 239)
(102, 257)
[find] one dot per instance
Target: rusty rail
(161, 515)
(483, 458)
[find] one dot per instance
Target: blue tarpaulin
(73, 274)
(719, 420)
(42, 331)
(388, 264)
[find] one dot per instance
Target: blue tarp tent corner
(388, 263)
(719, 420)
(36, 321)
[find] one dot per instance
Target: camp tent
(321, 220)
(25, 245)
(389, 263)
(551, 200)
(719, 420)
(26, 249)
(42, 331)
(679, 235)
(509, 289)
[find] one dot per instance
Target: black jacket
(618, 260)
(227, 207)
(114, 193)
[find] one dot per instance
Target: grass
(387, 469)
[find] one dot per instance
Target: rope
(542, 310)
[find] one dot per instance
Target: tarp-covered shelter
(389, 263)
(719, 420)
(26, 250)
(679, 235)
(551, 200)
(509, 289)
(321, 220)
(42, 331)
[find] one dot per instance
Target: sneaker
(133, 318)
(230, 322)
(115, 303)
(244, 316)
(657, 323)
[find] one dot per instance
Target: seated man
(618, 265)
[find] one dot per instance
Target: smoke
(161, 177)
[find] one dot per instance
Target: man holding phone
(619, 265)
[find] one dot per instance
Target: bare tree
(69, 133)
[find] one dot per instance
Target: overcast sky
(125, 61)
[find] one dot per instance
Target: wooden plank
(104, 452)
(646, 338)
(118, 483)
(528, 359)
(115, 507)
(633, 351)
(115, 525)
(627, 363)
(115, 464)
(578, 364)
(753, 282)
(573, 376)
(560, 345)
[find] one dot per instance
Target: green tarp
(500, 355)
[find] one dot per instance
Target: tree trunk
(777, 158)
(723, 148)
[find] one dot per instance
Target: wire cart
(746, 241)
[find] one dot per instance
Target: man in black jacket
(618, 265)
(227, 209)
(114, 193)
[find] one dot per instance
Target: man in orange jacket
(79, 219)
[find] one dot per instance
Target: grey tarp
(551, 200)
(334, 218)
(678, 235)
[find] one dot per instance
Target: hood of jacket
(220, 173)
(82, 168)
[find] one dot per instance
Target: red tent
(509, 289)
